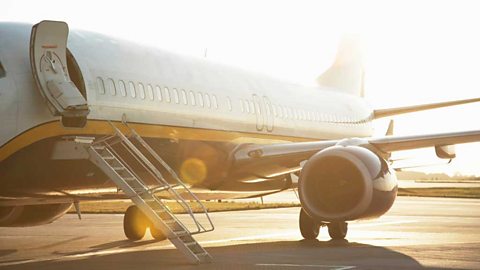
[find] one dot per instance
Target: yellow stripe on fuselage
(98, 127)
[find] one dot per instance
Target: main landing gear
(135, 224)
(310, 228)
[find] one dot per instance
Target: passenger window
(200, 99)
(111, 87)
(242, 105)
(215, 101)
(158, 90)
(167, 95)
(141, 90)
(101, 86)
(132, 89)
(123, 89)
(208, 103)
(192, 97)
(229, 104)
(247, 108)
(150, 91)
(184, 96)
(252, 105)
(3, 73)
(176, 98)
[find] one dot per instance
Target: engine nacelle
(31, 215)
(344, 183)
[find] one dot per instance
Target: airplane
(86, 116)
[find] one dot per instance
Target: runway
(417, 233)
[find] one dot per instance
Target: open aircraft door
(48, 58)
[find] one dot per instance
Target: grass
(119, 206)
(472, 192)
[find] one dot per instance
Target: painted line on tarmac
(332, 267)
(363, 225)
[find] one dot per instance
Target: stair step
(191, 244)
(119, 168)
(181, 233)
(108, 157)
(170, 221)
(202, 254)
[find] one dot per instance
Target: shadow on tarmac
(304, 254)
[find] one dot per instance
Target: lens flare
(193, 171)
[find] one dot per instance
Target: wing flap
(399, 143)
(408, 109)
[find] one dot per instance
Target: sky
(415, 51)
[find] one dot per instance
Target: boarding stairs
(114, 154)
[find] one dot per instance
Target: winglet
(401, 110)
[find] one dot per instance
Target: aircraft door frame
(48, 59)
(270, 117)
(258, 105)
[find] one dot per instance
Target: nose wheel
(135, 223)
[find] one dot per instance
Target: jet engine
(342, 183)
(31, 215)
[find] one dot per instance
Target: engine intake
(344, 183)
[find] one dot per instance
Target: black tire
(157, 234)
(135, 223)
(338, 230)
(308, 227)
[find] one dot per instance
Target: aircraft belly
(31, 172)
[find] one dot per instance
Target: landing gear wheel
(135, 223)
(157, 234)
(338, 230)
(308, 227)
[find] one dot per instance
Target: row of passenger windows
(285, 112)
(210, 101)
(158, 93)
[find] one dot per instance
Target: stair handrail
(158, 176)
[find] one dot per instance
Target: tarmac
(417, 233)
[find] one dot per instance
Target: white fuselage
(149, 86)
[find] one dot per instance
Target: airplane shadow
(5, 252)
(304, 254)
(116, 244)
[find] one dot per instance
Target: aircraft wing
(398, 143)
(287, 157)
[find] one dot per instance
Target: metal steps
(114, 155)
